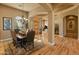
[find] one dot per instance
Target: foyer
(56, 27)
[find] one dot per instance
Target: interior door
(72, 26)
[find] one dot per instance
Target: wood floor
(63, 46)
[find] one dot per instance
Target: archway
(71, 26)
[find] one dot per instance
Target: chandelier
(23, 12)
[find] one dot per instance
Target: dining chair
(30, 39)
(16, 43)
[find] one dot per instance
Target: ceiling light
(26, 19)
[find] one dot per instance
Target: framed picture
(7, 23)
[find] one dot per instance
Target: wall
(59, 19)
(71, 12)
(6, 11)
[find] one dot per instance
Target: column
(60, 18)
(0, 29)
(78, 22)
(51, 28)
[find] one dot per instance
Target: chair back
(30, 36)
(13, 34)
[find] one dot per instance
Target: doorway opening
(71, 26)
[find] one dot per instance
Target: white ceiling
(23, 6)
(33, 6)
(61, 6)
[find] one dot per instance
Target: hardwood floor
(7, 48)
(63, 46)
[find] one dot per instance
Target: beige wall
(8, 12)
(58, 18)
(71, 12)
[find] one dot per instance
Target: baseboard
(4, 40)
(52, 44)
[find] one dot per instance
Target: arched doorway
(71, 26)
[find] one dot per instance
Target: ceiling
(23, 6)
(61, 6)
(31, 6)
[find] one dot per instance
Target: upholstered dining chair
(15, 42)
(13, 34)
(30, 39)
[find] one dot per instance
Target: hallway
(63, 46)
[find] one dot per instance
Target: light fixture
(26, 19)
(23, 12)
(18, 17)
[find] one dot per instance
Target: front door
(72, 26)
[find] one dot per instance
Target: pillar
(60, 18)
(78, 22)
(51, 27)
